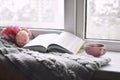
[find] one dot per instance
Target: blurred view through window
(103, 19)
(32, 13)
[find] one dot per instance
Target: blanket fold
(41, 66)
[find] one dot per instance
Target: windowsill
(114, 65)
(110, 71)
(115, 61)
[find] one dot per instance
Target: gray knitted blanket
(51, 66)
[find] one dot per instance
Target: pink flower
(22, 38)
(28, 31)
(10, 32)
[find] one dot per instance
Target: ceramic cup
(95, 49)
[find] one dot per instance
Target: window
(103, 19)
(40, 14)
(32, 13)
(102, 22)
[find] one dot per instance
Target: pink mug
(95, 49)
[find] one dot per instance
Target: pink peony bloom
(28, 31)
(10, 32)
(22, 38)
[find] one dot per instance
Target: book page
(42, 40)
(69, 41)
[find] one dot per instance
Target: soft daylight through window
(32, 13)
(103, 19)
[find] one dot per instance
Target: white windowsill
(114, 64)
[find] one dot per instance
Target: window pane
(32, 13)
(103, 19)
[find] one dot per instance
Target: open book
(64, 42)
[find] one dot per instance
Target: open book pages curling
(64, 42)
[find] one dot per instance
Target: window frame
(75, 15)
(110, 45)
